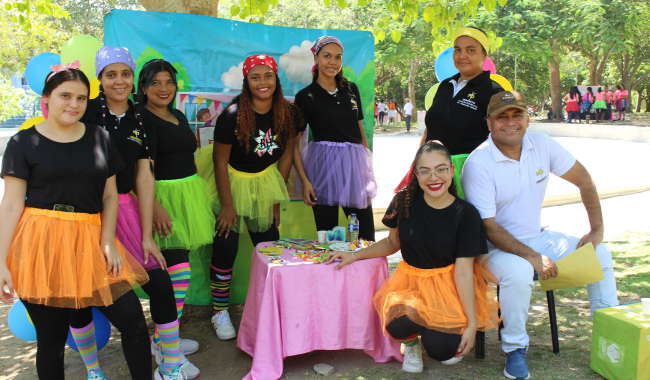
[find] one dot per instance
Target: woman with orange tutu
(57, 228)
(438, 291)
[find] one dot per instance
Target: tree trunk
(639, 93)
(593, 71)
(197, 7)
(556, 90)
(415, 63)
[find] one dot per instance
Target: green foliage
(149, 53)
(10, 99)
(23, 13)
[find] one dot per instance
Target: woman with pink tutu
(336, 168)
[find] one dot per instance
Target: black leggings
(327, 217)
(161, 300)
(176, 256)
(224, 250)
(438, 345)
(381, 117)
(125, 314)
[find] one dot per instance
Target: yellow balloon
(94, 89)
(31, 122)
(502, 81)
(428, 99)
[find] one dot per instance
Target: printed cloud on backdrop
(234, 77)
(297, 63)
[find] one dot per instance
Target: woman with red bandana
(249, 162)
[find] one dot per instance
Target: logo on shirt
(354, 104)
(472, 95)
(540, 173)
(469, 102)
(265, 143)
(135, 136)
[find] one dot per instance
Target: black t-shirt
(331, 117)
(71, 174)
(127, 136)
(172, 146)
(459, 121)
(432, 238)
(263, 150)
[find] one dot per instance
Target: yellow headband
(475, 34)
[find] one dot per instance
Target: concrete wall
(594, 131)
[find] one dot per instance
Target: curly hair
(413, 189)
(283, 117)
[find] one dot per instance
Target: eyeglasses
(441, 173)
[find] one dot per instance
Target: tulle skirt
(56, 260)
(600, 104)
(341, 174)
(428, 297)
(253, 194)
(129, 230)
(188, 202)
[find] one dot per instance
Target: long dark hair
(136, 108)
(413, 189)
(283, 119)
(61, 77)
(574, 91)
(148, 72)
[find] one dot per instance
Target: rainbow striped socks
(408, 341)
(169, 344)
(87, 345)
(180, 275)
(220, 286)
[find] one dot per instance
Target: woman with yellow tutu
(253, 142)
(438, 291)
(58, 249)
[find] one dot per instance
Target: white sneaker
(413, 359)
(223, 326)
(189, 369)
(161, 374)
(187, 346)
(453, 360)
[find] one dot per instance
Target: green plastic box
(620, 343)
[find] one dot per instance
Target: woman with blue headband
(336, 168)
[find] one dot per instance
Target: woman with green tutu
(183, 219)
(249, 162)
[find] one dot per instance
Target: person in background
(376, 113)
(382, 111)
(623, 102)
(600, 105)
(573, 104)
(549, 112)
(392, 112)
(608, 102)
(438, 291)
(587, 101)
(408, 112)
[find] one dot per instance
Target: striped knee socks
(220, 286)
(409, 341)
(180, 276)
(169, 344)
(84, 338)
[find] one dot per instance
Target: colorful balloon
(428, 99)
(31, 122)
(488, 65)
(94, 89)
(20, 324)
(444, 67)
(502, 81)
(82, 48)
(38, 68)
(102, 331)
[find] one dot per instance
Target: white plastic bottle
(353, 228)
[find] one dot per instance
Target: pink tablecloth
(299, 306)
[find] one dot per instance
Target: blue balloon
(102, 331)
(19, 323)
(38, 69)
(444, 67)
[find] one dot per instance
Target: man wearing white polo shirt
(505, 178)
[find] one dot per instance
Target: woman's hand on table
(5, 279)
(226, 220)
(161, 221)
(308, 194)
(345, 258)
(467, 341)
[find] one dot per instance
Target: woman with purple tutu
(113, 110)
(336, 168)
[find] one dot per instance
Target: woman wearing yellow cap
(457, 116)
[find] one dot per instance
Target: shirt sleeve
(479, 189)
(224, 129)
(14, 162)
(297, 119)
(561, 160)
(355, 91)
(390, 218)
(471, 239)
(301, 103)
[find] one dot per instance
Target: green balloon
(84, 49)
(428, 99)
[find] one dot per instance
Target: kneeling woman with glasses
(438, 291)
